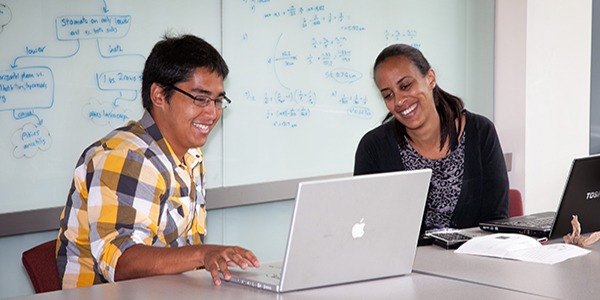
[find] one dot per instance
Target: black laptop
(581, 197)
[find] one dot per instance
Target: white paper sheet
(519, 247)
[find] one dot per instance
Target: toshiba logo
(592, 195)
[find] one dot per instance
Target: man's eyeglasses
(204, 101)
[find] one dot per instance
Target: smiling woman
(428, 127)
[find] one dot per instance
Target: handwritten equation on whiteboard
(317, 60)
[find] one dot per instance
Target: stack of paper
(519, 247)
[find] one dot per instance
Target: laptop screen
(581, 197)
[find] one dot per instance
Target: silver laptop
(346, 230)
(581, 196)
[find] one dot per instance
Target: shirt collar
(192, 157)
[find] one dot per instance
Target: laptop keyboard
(452, 236)
(542, 222)
(275, 270)
(449, 239)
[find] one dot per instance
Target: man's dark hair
(174, 59)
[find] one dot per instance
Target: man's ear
(157, 95)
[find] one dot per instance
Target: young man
(136, 205)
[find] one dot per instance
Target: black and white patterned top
(446, 182)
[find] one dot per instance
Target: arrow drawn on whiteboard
(121, 97)
(22, 114)
(105, 8)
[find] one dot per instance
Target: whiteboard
(69, 73)
(300, 80)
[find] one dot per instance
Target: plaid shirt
(128, 188)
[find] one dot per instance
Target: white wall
(542, 92)
(509, 84)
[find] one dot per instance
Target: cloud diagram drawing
(29, 139)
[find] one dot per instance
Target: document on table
(520, 247)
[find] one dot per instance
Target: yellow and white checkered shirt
(128, 188)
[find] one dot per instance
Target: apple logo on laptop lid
(358, 229)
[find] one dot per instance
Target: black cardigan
(484, 192)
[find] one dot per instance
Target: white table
(576, 278)
(198, 285)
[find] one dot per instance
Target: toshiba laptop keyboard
(536, 225)
(529, 222)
